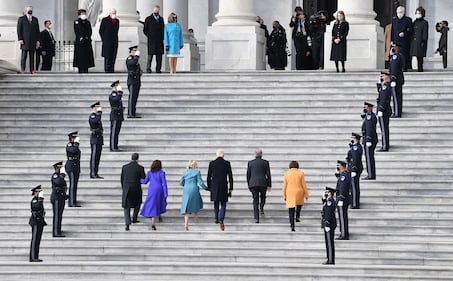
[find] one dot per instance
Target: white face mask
(83, 17)
(400, 15)
(341, 18)
(113, 16)
(418, 16)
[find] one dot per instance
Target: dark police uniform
(370, 137)
(354, 159)
(384, 113)
(58, 198)
(133, 83)
(37, 224)
(343, 200)
(329, 220)
(397, 76)
(116, 116)
(72, 168)
(96, 140)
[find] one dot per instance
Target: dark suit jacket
(47, 43)
(219, 175)
(130, 183)
(154, 30)
(258, 173)
(109, 35)
(28, 31)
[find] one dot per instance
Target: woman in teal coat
(173, 41)
(191, 198)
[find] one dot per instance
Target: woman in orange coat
(294, 191)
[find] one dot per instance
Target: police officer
(384, 109)
(355, 167)
(116, 114)
(36, 222)
(96, 140)
(58, 198)
(133, 80)
(397, 77)
(343, 199)
(329, 223)
(370, 139)
(72, 166)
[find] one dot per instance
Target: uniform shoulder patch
(394, 57)
(355, 147)
(92, 116)
(76, 22)
(342, 178)
(34, 201)
(69, 144)
(113, 94)
(329, 203)
(55, 176)
(129, 57)
(368, 117)
(384, 87)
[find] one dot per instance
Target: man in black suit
(109, 35)
(47, 46)
(219, 175)
(28, 36)
(154, 30)
(132, 189)
(259, 181)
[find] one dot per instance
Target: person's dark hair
(298, 9)
(445, 22)
(156, 166)
(134, 156)
(421, 10)
(81, 11)
(45, 22)
(294, 164)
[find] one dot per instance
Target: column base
(235, 48)
(9, 50)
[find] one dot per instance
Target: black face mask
(382, 80)
(30, 12)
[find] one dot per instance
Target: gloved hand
(353, 174)
(118, 88)
(380, 114)
(327, 229)
(340, 203)
(137, 53)
(77, 139)
(324, 196)
(393, 84)
(41, 194)
(368, 144)
(99, 109)
(63, 171)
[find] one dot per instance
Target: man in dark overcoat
(402, 33)
(259, 182)
(132, 189)
(109, 34)
(28, 36)
(83, 51)
(154, 30)
(47, 46)
(219, 177)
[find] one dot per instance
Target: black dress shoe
(257, 221)
(327, 263)
(59, 235)
(99, 177)
(135, 221)
(36, 260)
(127, 227)
(293, 229)
(262, 212)
(149, 70)
(383, 150)
(341, 238)
(368, 179)
(297, 220)
(158, 71)
(216, 221)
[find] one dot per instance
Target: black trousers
(420, 64)
(115, 127)
(73, 175)
(96, 150)
(58, 208)
(134, 90)
(109, 65)
(292, 212)
(158, 62)
(36, 234)
(344, 223)
(127, 214)
(398, 103)
(318, 54)
(303, 62)
(370, 162)
(355, 191)
(259, 200)
(46, 62)
(444, 60)
(23, 59)
(384, 124)
(330, 245)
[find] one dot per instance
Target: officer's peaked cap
(58, 164)
(133, 47)
(368, 104)
(115, 83)
(396, 44)
(385, 73)
(36, 189)
(96, 104)
(355, 135)
(341, 162)
(330, 189)
(73, 134)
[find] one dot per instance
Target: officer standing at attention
(384, 109)
(36, 222)
(116, 114)
(397, 76)
(370, 139)
(58, 198)
(133, 80)
(96, 140)
(343, 199)
(72, 167)
(355, 167)
(329, 223)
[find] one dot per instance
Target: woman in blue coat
(191, 198)
(156, 200)
(173, 41)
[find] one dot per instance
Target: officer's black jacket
(383, 99)
(133, 70)
(328, 214)
(72, 152)
(343, 188)
(355, 158)
(58, 187)
(37, 211)
(116, 104)
(96, 128)
(396, 67)
(369, 128)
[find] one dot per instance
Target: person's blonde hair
(170, 17)
(192, 164)
(340, 13)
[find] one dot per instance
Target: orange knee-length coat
(294, 188)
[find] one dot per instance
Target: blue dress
(191, 198)
(173, 38)
(155, 203)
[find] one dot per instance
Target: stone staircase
(403, 231)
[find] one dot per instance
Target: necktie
(51, 35)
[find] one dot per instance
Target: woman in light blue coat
(191, 198)
(173, 41)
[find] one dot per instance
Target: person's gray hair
(156, 6)
(258, 152)
(401, 8)
(220, 152)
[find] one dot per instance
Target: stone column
(365, 42)
(199, 21)
(190, 55)
(128, 34)
(9, 47)
(235, 41)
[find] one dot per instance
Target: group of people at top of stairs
(168, 37)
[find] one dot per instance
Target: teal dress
(191, 198)
(173, 38)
